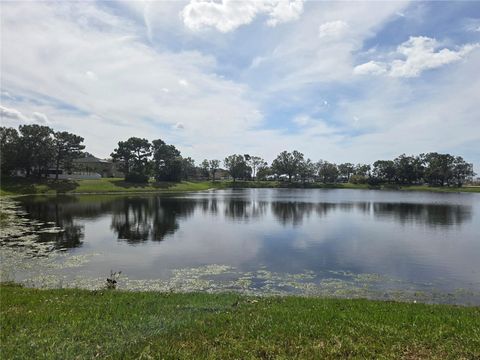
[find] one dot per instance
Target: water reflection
(429, 214)
(291, 212)
(237, 209)
(417, 238)
(139, 219)
(60, 211)
(136, 219)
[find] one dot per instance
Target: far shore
(21, 186)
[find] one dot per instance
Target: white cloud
(40, 118)
(227, 15)
(333, 29)
(179, 126)
(256, 62)
(284, 11)
(397, 116)
(419, 54)
(321, 48)
(5, 94)
(138, 90)
(371, 67)
(91, 75)
(11, 116)
(312, 127)
(302, 120)
(472, 25)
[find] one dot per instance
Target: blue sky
(340, 81)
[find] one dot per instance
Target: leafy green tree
(362, 170)
(205, 168)
(408, 169)
(462, 171)
(306, 170)
(264, 171)
(188, 168)
(384, 170)
(287, 163)
(255, 162)
(168, 163)
(133, 157)
(361, 174)
(36, 149)
(328, 172)
(346, 170)
(9, 146)
(214, 166)
(236, 166)
(438, 168)
(67, 147)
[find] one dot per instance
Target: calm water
(339, 242)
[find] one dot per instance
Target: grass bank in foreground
(67, 324)
(21, 186)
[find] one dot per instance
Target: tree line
(432, 168)
(34, 149)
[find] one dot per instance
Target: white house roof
(91, 160)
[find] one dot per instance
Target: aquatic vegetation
(29, 259)
(17, 231)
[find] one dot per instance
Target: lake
(346, 243)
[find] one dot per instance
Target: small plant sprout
(113, 280)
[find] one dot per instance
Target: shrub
(136, 178)
(358, 179)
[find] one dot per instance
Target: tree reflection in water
(62, 212)
(429, 214)
(239, 209)
(137, 219)
(149, 218)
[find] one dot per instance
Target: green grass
(78, 324)
(21, 186)
(471, 189)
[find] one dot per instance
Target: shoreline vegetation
(22, 186)
(72, 323)
(37, 152)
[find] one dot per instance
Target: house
(91, 165)
(87, 167)
(222, 174)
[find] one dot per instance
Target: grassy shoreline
(19, 186)
(71, 323)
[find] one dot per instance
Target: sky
(339, 81)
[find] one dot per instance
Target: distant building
(222, 174)
(91, 165)
(86, 167)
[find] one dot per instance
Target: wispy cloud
(333, 29)
(371, 67)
